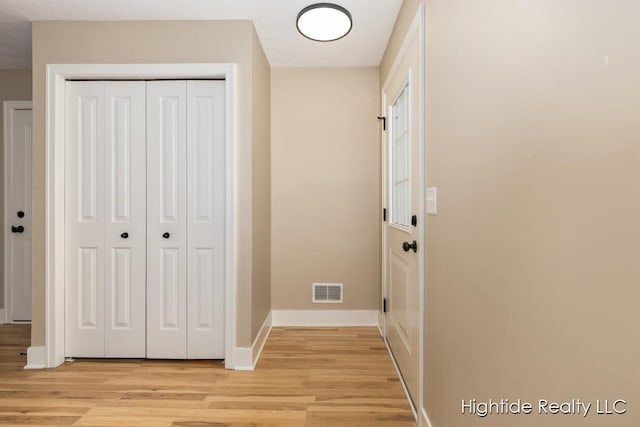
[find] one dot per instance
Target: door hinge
(384, 215)
(384, 305)
(384, 122)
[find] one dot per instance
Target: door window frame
(406, 90)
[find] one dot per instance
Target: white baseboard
(325, 318)
(425, 419)
(242, 359)
(246, 358)
(36, 358)
(381, 323)
(3, 320)
(402, 383)
(261, 339)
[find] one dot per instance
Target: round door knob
(407, 246)
(166, 235)
(124, 235)
(20, 214)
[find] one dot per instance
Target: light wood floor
(306, 377)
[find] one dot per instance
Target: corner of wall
(36, 358)
(246, 358)
(403, 21)
(261, 186)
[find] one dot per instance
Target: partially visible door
(18, 210)
(403, 246)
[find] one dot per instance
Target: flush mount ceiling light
(324, 22)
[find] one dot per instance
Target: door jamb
(417, 26)
(56, 74)
(8, 108)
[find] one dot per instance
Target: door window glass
(400, 152)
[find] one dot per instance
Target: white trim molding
(381, 324)
(325, 318)
(36, 358)
(243, 359)
(424, 419)
(56, 75)
(402, 383)
(246, 358)
(261, 339)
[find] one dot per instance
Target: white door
(18, 211)
(403, 246)
(205, 219)
(84, 220)
(185, 222)
(167, 219)
(105, 219)
(125, 219)
(145, 225)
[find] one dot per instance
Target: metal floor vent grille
(327, 293)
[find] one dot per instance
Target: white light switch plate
(432, 201)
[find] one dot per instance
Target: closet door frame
(52, 353)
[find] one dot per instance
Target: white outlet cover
(432, 201)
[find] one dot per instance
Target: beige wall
(261, 202)
(325, 206)
(533, 141)
(15, 85)
(59, 42)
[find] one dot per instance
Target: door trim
(8, 108)
(56, 75)
(416, 29)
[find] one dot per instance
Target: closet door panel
(166, 220)
(125, 236)
(205, 226)
(145, 225)
(84, 220)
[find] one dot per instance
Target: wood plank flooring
(305, 377)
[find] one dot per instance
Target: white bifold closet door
(167, 219)
(164, 282)
(185, 221)
(105, 219)
(206, 207)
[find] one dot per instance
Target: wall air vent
(327, 293)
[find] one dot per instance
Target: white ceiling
(274, 20)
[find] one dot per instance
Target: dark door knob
(166, 235)
(20, 214)
(406, 246)
(18, 229)
(124, 235)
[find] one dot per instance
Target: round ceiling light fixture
(324, 22)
